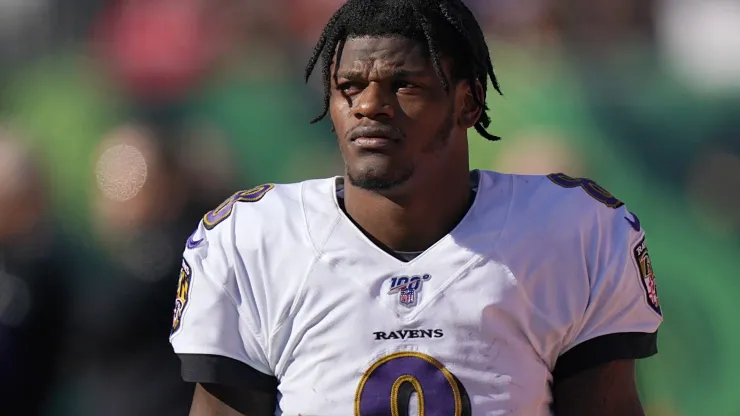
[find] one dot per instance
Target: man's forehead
(384, 51)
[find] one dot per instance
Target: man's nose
(374, 103)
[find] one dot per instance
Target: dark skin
(607, 390)
(206, 403)
(390, 82)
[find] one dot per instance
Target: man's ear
(470, 110)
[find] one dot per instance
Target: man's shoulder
(556, 214)
(558, 200)
(256, 245)
(562, 234)
(270, 204)
(266, 225)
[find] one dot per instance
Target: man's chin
(379, 181)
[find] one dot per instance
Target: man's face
(390, 111)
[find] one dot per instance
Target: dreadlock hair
(447, 27)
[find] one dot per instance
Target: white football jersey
(280, 279)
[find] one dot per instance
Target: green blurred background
(123, 121)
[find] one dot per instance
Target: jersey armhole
(217, 369)
(604, 349)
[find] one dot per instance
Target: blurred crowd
(123, 121)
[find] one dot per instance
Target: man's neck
(413, 221)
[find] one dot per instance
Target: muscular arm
(211, 399)
(206, 404)
(605, 390)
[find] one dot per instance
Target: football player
(411, 285)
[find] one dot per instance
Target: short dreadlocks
(447, 27)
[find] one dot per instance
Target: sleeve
(215, 343)
(623, 314)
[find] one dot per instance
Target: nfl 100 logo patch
(407, 296)
(408, 288)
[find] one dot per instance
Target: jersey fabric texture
(541, 279)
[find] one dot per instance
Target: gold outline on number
(397, 386)
(250, 195)
(413, 380)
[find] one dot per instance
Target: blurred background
(123, 121)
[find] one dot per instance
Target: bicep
(605, 390)
(212, 399)
(206, 404)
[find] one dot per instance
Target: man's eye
(347, 86)
(403, 84)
